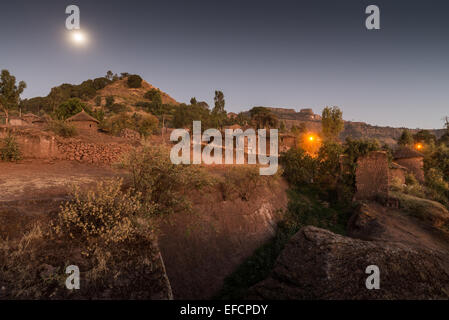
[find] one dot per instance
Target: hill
(129, 96)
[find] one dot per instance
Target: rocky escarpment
(318, 264)
(200, 249)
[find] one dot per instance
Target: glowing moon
(78, 37)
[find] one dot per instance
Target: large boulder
(318, 264)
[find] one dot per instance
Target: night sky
(295, 54)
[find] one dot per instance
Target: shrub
(118, 108)
(104, 214)
(109, 101)
(98, 101)
(163, 185)
(9, 149)
(145, 124)
(134, 81)
(62, 128)
(299, 167)
(437, 187)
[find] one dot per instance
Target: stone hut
(412, 160)
(84, 121)
(372, 176)
(397, 172)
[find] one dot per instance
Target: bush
(145, 124)
(104, 214)
(134, 81)
(98, 101)
(9, 149)
(63, 129)
(116, 242)
(118, 108)
(109, 101)
(163, 185)
(299, 167)
(437, 186)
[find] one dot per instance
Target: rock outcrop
(318, 264)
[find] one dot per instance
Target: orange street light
(311, 138)
(418, 146)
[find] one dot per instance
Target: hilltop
(130, 96)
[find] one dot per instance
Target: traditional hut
(412, 160)
(84, 121)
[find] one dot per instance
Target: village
(102, 173)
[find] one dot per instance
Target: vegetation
(103, 230)
(9, 149)
(109, 101)
(134, 81)
(332, 122)
(162, 184)
(145, 124)
(406, 138)
(263, 118)
(62, 128)
(98, 101)
(69, 108)
(9, 93)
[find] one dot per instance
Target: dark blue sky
(280, 53)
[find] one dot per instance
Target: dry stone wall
(91, 152)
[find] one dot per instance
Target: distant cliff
(356, 130)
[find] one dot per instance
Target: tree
(219, 102)
(98, 101)
(406, 138)
(109, 101)
(69, 108)
(263, 117)
(218, 112)
(425, 136)
(9, 93)
(109, 75)
(193, 101)
(134, 81)
(332, 122)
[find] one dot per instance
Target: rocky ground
(412, 257)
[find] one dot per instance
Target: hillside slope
(130, 96)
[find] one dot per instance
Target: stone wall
(34, 145)
(42, 145)
(90, 152)
(372, 176)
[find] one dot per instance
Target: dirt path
(36, 179)
(388, 224)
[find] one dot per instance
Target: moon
(78, 37)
